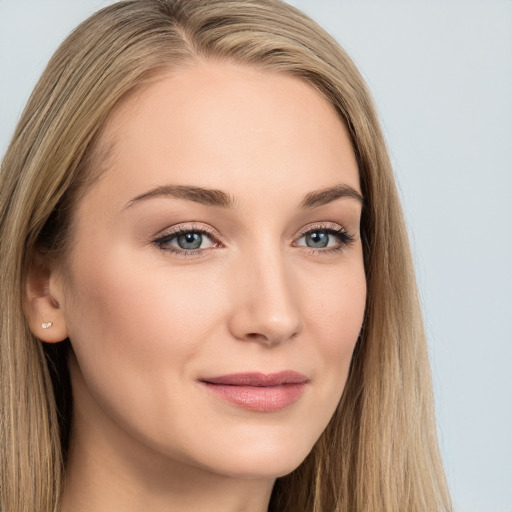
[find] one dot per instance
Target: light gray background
(441, 74)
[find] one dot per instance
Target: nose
(265, 300)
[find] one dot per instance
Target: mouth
(257, 391)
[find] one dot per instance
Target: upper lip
(258, 379)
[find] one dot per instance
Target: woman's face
(215, 287)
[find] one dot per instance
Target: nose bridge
(266, 307)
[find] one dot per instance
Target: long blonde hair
(379, 452)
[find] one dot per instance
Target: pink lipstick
(258, 391)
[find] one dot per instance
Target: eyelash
(344, 240)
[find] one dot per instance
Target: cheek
(132, 327)
(137, 331)
(122, 307)
(336, 316)
(337, 305)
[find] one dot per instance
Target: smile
(258, 391)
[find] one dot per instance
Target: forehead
(222, 125)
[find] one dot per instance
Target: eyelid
(321, 226)
(186, 228)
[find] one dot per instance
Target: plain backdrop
(441, 75)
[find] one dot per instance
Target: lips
(258, 391)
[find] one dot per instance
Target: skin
(146, 323)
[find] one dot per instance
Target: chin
(261, 469)
(267, 459)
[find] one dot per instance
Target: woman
(208, 301)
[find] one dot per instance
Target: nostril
(256, 336)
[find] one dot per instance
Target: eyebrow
(220, 199)
(328, 195)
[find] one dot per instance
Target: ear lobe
(40, 303)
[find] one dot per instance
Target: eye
(325, 239)
(190, 241)
(186, 241)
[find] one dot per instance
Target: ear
(42, 301)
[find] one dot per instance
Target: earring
(46, 325)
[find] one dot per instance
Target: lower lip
(259, 398)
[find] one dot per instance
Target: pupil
(317, 239)
(190, 241)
